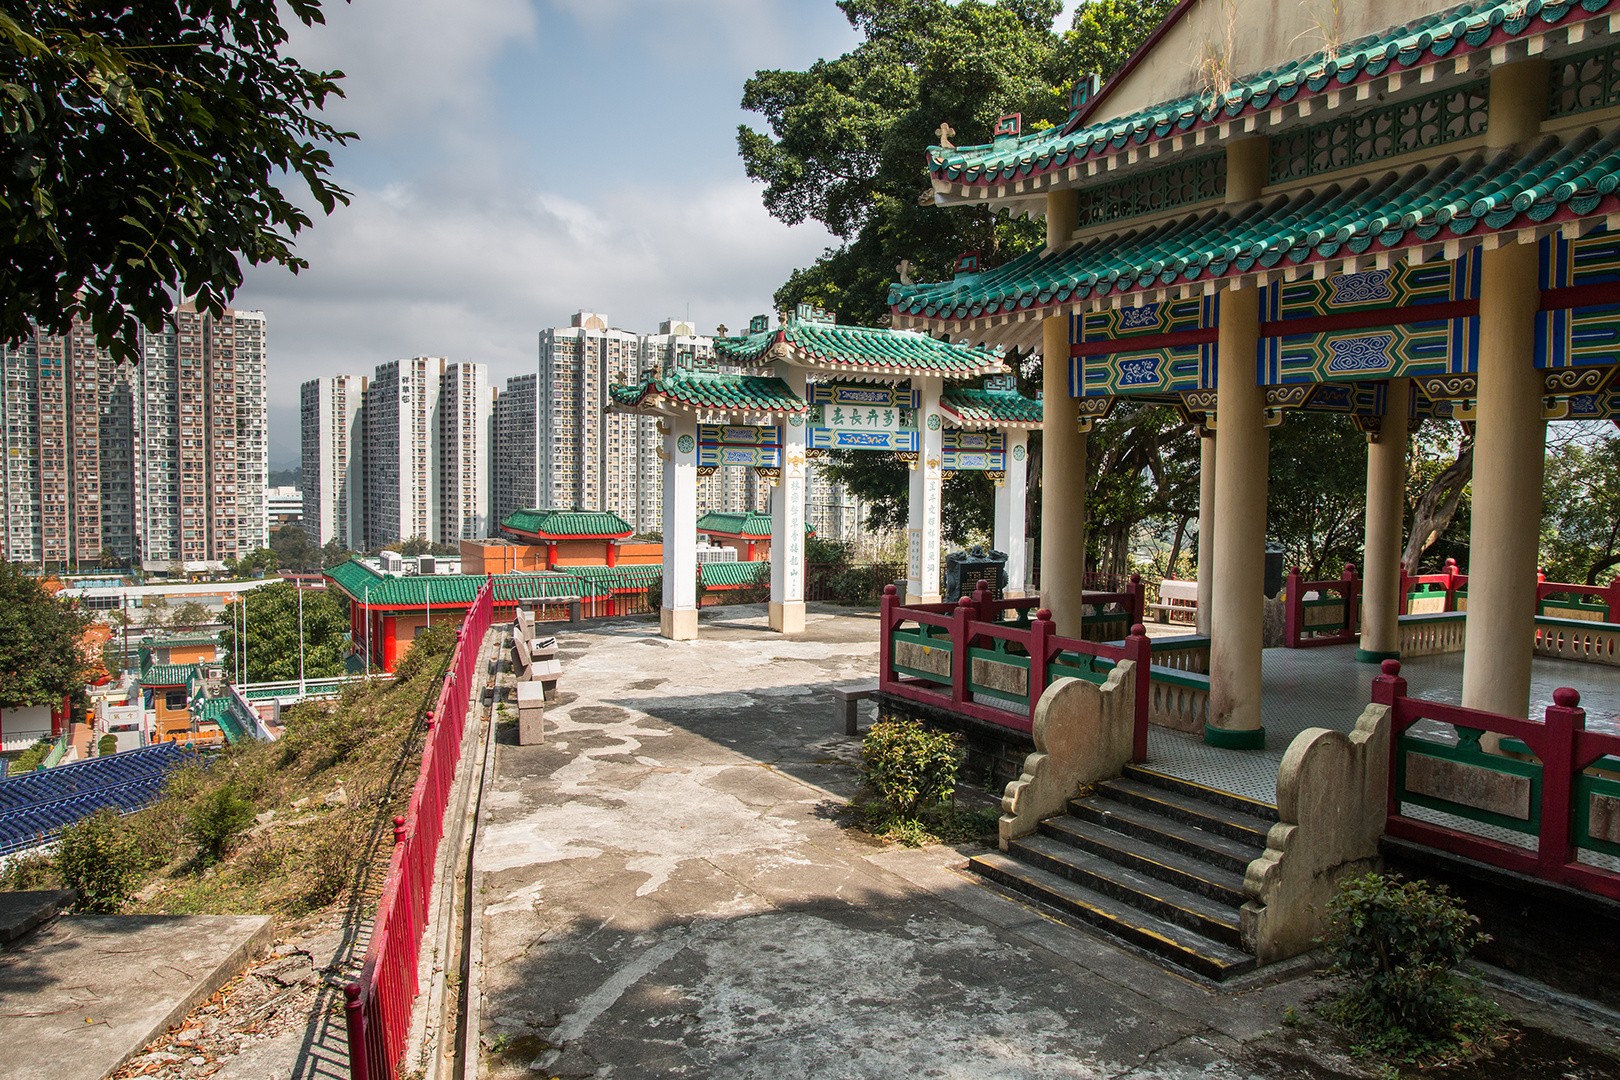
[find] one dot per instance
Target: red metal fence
(1548, 790)
(1327, 620)
(1418, 588)
(966, 658)
(379, 1004)
(1604, 600)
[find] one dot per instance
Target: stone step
(1263, 810)
(1201, 844)
(1184, 871)
(1169, 941)
(1224, 821)
(1200, 914)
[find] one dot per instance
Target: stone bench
(849, 698)
(531, 703)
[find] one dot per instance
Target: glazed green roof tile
(180, 642)
(568, 524)
(1448, 34)
(734, 573)
(618, 578)
(726, 393)
(168, 674)
(735, 524)
(861, 350)
(1460, 200)
(990, 408)
(454, 590)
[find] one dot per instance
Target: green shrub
(27, 871)
(427, 651)
(1398, 943)
(655, 593)
(107, 745)
(859, 585)
(95, 857)
(30, 759)
(910, 767)
(215, 819)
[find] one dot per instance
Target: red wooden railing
(1608, 597)
(977, 623)
(1563, 749)
(1297, 634)
(379, 1003)
(1449, 580)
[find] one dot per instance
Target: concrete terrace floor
(1325, 687)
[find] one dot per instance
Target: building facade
(332, 443)
(464, 476)
(514, 448)
(402, 446)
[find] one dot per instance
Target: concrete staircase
(1150, 859)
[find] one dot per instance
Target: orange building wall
(477, 558)
(762, 547)
(582, 552)
(640, 554)
(193, 654)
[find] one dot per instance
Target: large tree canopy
(141, 148)
(40, 641)
(272, 634)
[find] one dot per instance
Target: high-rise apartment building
(402, 446)
(466, 405)
(514, 449)
(202, 439)
(332, 429)
(576, 363)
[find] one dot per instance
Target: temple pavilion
(775, 398)
(1410, 221)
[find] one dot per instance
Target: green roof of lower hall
(568, 524)
(167, 674)
(859, 350)
(990, 408)
(1446, 207)
(726, 524)
(367, 586)
(748, 394)
(1442, 36)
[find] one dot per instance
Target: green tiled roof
(990, 408)
(1453, 200)
(550, 586)
(181, 641)
(453, 590)
(618, 578)
(1447, 34)
(568, 524)
(734, 393)
(168, 674)
(734, 573)
(735, 524)
(861, 349)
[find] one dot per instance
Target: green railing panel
(1467, 752)
(1078, 666)
(1585, 787)
(993, 656)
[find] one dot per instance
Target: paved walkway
(666, 892)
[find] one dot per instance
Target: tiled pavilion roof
(734, 573)
(681, 391)
(568, 524)
(1448, 206)
(751, 525)
(859, 350)
(453, 590)
(167, 674)
(990, 408)
(1442, 36)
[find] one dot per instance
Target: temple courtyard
(669, 886)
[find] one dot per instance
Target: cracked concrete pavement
(666, 891)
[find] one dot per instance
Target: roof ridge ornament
(1007, 130)
(945, 131)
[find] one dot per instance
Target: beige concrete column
(1237, 599)
(1242, 444)
(1509, 438)
(1063, 484)
(1206, 528)
(1381, 552)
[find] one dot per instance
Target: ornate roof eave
(1403, 59)
(660, 405)
(968, 424)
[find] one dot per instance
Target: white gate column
(1011, 513)
(922, 534)
(787, 520)
(678, 617)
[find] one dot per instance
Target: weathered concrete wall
(1082, 735)
(1332, 795)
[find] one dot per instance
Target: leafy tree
(333, 552)
(272, 634)
(109, 560)
(143, 145)
(155, 612)
(1580, 531)
(1439, 506)
(254, 561)
(444, 549)
(39, 639)
(192, 614)
(293, 551)
(1316, 504)
(215, 819)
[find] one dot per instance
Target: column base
(1235, 738)
(1372, 656)
(678, 624)
(787, 617)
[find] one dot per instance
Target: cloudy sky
(522, 159)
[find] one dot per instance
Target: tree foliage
(143, 145)
(1439, 507)
(272, 634)
(40, 641)
(1316, 504)
(1580, 532)
(293, 550)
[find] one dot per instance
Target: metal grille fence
(379, 1003)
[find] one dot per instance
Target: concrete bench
(531, 703)
(848, 698)
(1177, 598)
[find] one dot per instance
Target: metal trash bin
(1275, 554)
(964, 570)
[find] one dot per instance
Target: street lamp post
(366, 600)
(299, 585)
